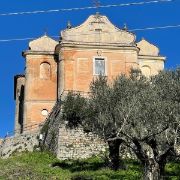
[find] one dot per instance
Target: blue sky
(34, 25)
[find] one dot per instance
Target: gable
(43, 43)
(147, 48)
(98, 29)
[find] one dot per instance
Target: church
(96, 47)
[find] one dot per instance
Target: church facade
(94, 48)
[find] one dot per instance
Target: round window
(44, 112)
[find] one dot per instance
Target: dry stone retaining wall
(76, 144)
(23, 142)
(68, 143)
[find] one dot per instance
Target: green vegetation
(141, 113)
(44, 165)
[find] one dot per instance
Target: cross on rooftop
(96, 3)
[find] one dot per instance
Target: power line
(155, 28)
(85, 8)
(17, 39)
(131, 30)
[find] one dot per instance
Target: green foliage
(173, 168)
(73, 109)
(143, 113)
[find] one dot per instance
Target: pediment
(43, 43)
(147, 48)
(98, 29)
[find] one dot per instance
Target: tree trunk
(163, 160)
(162, 165)
(152, 170)
(114, 157)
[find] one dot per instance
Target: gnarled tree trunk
(151, 170)
(114, 145)
(162, 165)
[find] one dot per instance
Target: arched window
(45, 70)
(146, 71)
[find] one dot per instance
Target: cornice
(79, 45)
(147, 57)
(30, 52)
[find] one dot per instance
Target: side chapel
(82, 53)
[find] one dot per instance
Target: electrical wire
(17, 39)
(131, 30)
(155, 28)
(86, 8)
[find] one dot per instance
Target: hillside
(44, 166)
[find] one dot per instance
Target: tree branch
(139, 151)
(155, 134)
(153, 144)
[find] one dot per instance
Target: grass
(42, 166)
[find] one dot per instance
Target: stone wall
(68, 143)
(76, 144)
(23, 142)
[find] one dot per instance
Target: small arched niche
(45, 70)
(146, 71)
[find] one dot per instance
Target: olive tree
(152, 128)
(110, 112)
(139, 112)
(103, 112)
(145, 130)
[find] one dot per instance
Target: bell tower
(40, 91)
